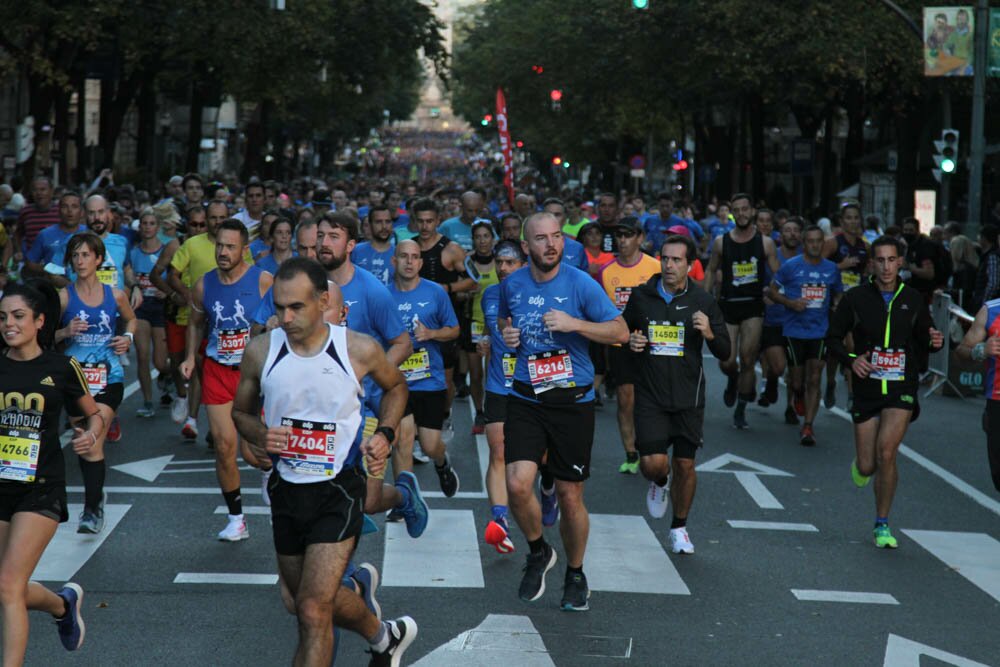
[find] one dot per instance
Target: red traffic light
(537, 69)
(519, 144)
(488, 118)
(681, 165)
(556, 95)
(557, 160)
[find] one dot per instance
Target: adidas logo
(47, 381)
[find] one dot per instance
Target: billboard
(948, 41)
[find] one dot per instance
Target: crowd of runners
(328, 331)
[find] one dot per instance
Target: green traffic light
(948, 166)
(566, 165)
(640, 4)
(484, 122)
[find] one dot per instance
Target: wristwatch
(388, 433)
(130, 336)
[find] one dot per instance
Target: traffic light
(487, 119)
(946, 153)
(519, 144)
(537, 69)
(557, 161)
(566, 164)
(680, 165)
(640, 4)
(555, 95)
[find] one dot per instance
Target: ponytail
(43, 299)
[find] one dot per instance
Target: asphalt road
(775, 526)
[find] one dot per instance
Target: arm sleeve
(721, 346)
(840, 324)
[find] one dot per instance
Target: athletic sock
(93, 483)
(537, 546)
(404, 503)
(678, 522)
(233, 501)
(771, 385)
(881, 521)
(574, 570)
(741, 407)
(499, 512)
(380, 640)
(548, 481)
(662, 482)
(631, 457)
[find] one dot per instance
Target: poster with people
(948, 41)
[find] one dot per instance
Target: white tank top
(319, 397)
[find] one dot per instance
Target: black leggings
(991, 424)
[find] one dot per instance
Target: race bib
(478, 331)
(108, 275)
(417, 366)
(96, 374)
(311, 447)
(550, 370)
(850, 279)
(815, 295)
(230, 344)
(666, 339)
(608, 244)
(19, 446)
(621, 297)
(745, 273)
(889, 365)
(146, 285)
(509, 362)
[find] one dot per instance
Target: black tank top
(743, 269)
(434, 268)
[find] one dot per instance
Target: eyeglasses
(625, 234)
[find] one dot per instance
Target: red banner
(505, 146)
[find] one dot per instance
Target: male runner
(669, 318)
(573, 252)
(982, 343)
(741, 255)
(427, 314)
(630, 269)
(807, 286)
(893, 334)
(309, 374)
(772, 341)
(225, 297)
(375, 255)
(50, 244)
(459, 228)
(549, 312)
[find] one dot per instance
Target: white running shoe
(265, 476)
(418, 453)
(657, 499)
(680, 543)
(235, 530)
(179, 410)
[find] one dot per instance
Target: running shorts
(801, 350)
(735, 312)
(218, 382)
(45, 498)
(428, 408)
(324, 512)
(564, 431)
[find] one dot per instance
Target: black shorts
(47, 499)
(598, 357)
(564, 430)
(735, 312)
(656, 430)
(863, 408)
(111, 396)
(153, 312)
(770, 336)
(801, 350)
(427, 408)
(316, 513)
(449, 354)
(465, 334)
(622, 364)
(495, 408)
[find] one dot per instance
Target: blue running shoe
(368, 526)
(71, 629)
(550, 508)
(366, 576)
(416, 514)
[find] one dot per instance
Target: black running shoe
(576, 593)
(830, 397)
(791, 417)
(448, 478)
(729, 396)
(402, 632)
(535, 568)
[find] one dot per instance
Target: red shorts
(218, 382)
(176, 337)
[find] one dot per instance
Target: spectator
(988, 276)
(37, 215)
(964, 261)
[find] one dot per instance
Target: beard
(331, 262)
(543, 264)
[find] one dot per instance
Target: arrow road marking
(748, 479)
(69, 551)
(975, 556)
(903, 652)
(499, 640)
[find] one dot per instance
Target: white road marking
(975, 556)
(147, 469)
(247, 509)
(166, 490)
(69, 551)
(856, 597)
(499, 640)
(950, 478)
(225, 578)
(748, 479)
(774, 525)
(187, 470)
(903, 652)
(482, 448)
(752, 484)
(445, 556)
(624, 556)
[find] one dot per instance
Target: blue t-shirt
(92, 348)
(429, 304)
(501, 356)
(375, 262)
(526, 302)
(142, 264)
(257, 248)
(656, 228)
(227, 309)
(774, 314)
(573, 253)
(817, 283)
(50, 244)
(112, 271)
(457, 231)
(269, 263)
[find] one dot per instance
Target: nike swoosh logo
(680, 307)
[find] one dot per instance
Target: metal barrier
(943, 312)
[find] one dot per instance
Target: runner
(150, 320)
(50, 244)
(772, 340)
(430, 319)
(375, 255)
(548, 312)
(35, 384)
(90, 311)
(619, 277)
(808, 286)
(281, 246)
(741, 256)
(508, 257)
(893, 334)
(670, 318)
(480, 265)
(573, 252)
(459, 228)
(309, 374)
(234, 290)
(982, 343)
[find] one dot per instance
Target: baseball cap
(630, 223)
(680, 229)
(322, 198)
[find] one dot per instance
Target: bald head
(406, 246)
(472, 204)
(98, 214)
(407, 262)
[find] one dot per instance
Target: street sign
(637, 161)
(637, 173)
(925, 209)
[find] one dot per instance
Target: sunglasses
(622, 234)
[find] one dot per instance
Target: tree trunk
(115, 104)
(854, 103)
(61, 133)
(194, 128)
(741, 132)
(82, 152)
(40, 99)
(146, 147)
(826, 193)
(757, 157)
(908, 125)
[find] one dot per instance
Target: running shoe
(417, 513)
(497, 535)
(629, 467)
(114, 431)
(860, 481)
(402, 632)
(790, 416)
(71, 628)
(447, 477)
(830, 397)
(806, 436)
(576, 593)
(368, 525)
(179, 410)
(91, 521)
(729, 395)
(657, 500)
(166, 400)
(770, 393)
(550, 507)
(680, 543)
(479, 426)
(883, 537)
(764, 401)
(418, 453)
(190, 429)
(395, 515)
(146, 411)
(461, 390)
(366, 577)
(536, 566)
(235, 530)
(265, 477)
